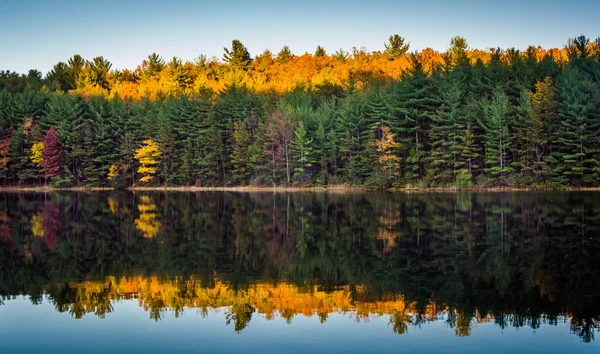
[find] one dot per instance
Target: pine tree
(284, 55)
(351, 129)
(576, 157)
(320, 52)
(209, 155)
(168, 163)
(320, 152)
(395, 47)
(544, 103)
(414, 103)
(240, 155)
(102, 132)
(457, 53)
(445, 136)
(153, 66)
(186, 170)
(127, 162)
(66, 113)
(469, 155)
(498, 138)
(531, 141)
(237, 56)
(377, 111)
(301, 149)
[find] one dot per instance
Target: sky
(36, 34)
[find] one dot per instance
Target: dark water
(311, 272)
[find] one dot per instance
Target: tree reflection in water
(514, 259)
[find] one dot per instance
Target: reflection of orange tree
(270, 300)
(280, 300)
(147, 222)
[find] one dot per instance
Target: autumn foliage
(51, 155)
(389, 161)
(4, 146)
(147, 155)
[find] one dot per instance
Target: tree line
(461, 118)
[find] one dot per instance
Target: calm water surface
(300, 272)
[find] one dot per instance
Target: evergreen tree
(395, 47)
(185, 173)
(320, 52)
(415, 102)
(240, 156)
(576, 160)
(469, 156)
(531, 141)
(238, 56)
(498, 138)
(301, 149)
(284, 55)
(445, 135)
(153, 66)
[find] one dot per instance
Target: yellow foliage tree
(37, 154)
(389, 162)
(113, 172)
(147, 155)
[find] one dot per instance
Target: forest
(393, 118)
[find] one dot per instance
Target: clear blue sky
(39, 33)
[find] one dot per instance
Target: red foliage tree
(4, 147)
(52, 154)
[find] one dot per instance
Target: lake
(299, 272)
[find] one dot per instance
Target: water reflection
(518, 259)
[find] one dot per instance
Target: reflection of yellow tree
(113, 205)
(388, 220)
(37, 227)
(147, 222)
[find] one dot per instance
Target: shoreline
(331, 189)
